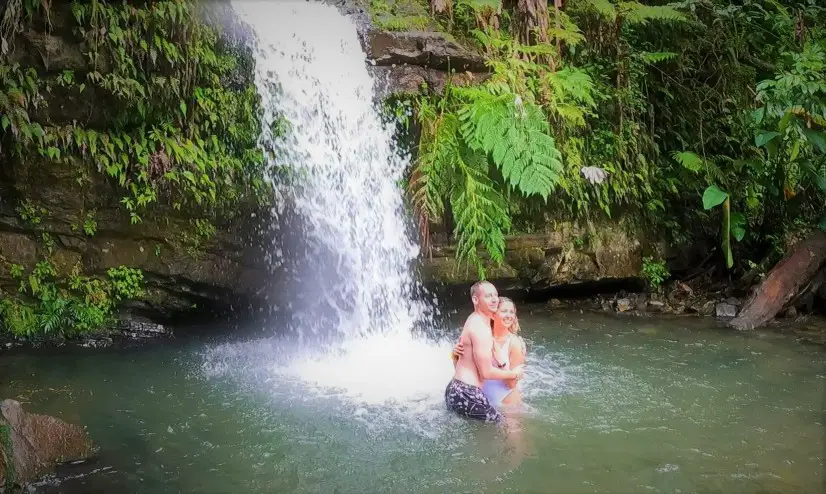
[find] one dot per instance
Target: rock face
(180, 270)
(183, 270)
(407, 61)
(31, 444)
(549, 260)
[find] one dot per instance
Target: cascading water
(311, 73)
(344, 169)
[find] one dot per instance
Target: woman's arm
(517, 357)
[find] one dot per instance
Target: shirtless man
(464, 394)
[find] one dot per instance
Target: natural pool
(616, 405)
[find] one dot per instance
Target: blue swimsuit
(495, 389)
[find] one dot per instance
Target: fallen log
(783, 283)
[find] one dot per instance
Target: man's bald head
(485, 297)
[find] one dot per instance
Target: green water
(620, 405)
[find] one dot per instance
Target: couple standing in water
(489, 358)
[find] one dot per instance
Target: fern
(636, 13)
(569, 93)
(657, 56)
(516, 136)
(602, 7)
(689, 160)
(481, 211)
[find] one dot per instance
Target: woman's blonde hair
(515, 328)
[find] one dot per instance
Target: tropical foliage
(171, 117)
(685, 115)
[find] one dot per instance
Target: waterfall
(344, 169)
(354, 275)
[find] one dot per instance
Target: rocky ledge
(568, 256)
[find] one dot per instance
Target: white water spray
(311, 71)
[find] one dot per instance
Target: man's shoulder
(477, 325)
(475, 321)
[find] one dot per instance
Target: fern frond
(480, 210)
(637, 13)
(568, 31)
(516, 136)
(602, 7)
(689, 160)
(657, 56)
(571, 84)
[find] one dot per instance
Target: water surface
(616, 405)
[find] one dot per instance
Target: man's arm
(481, 342)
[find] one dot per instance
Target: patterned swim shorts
(469, 401)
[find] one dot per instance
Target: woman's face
(507, 314)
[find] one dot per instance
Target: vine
(176, 130)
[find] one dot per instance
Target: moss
(8, 454)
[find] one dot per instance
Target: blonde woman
(508, 353)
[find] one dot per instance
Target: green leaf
(757, 115)
(183, 108)
(738, 226)
(689, 160)
(785, 121)
(822, 224)
(713, 196)
(763, 137)
(4, 122)
(810, 171)
(817, 139)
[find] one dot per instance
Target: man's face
(486, 299)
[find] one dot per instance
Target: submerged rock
(30, 444)
(624, 305)
(725, 310)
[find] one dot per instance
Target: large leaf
(713, 196)
(816, 138)
(763, 137)
(738, 226)
(813, 174)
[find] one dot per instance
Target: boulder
(32, 444)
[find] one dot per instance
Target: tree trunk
(532, 21)
(783, 283)
(438, 7)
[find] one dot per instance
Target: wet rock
(431, 50)
(725, 310)
(624, 305)
(133, 327)
(791, 313)
(99, 342)
(656, 306)
(32, 444)
(708, 308)
(555, 303)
